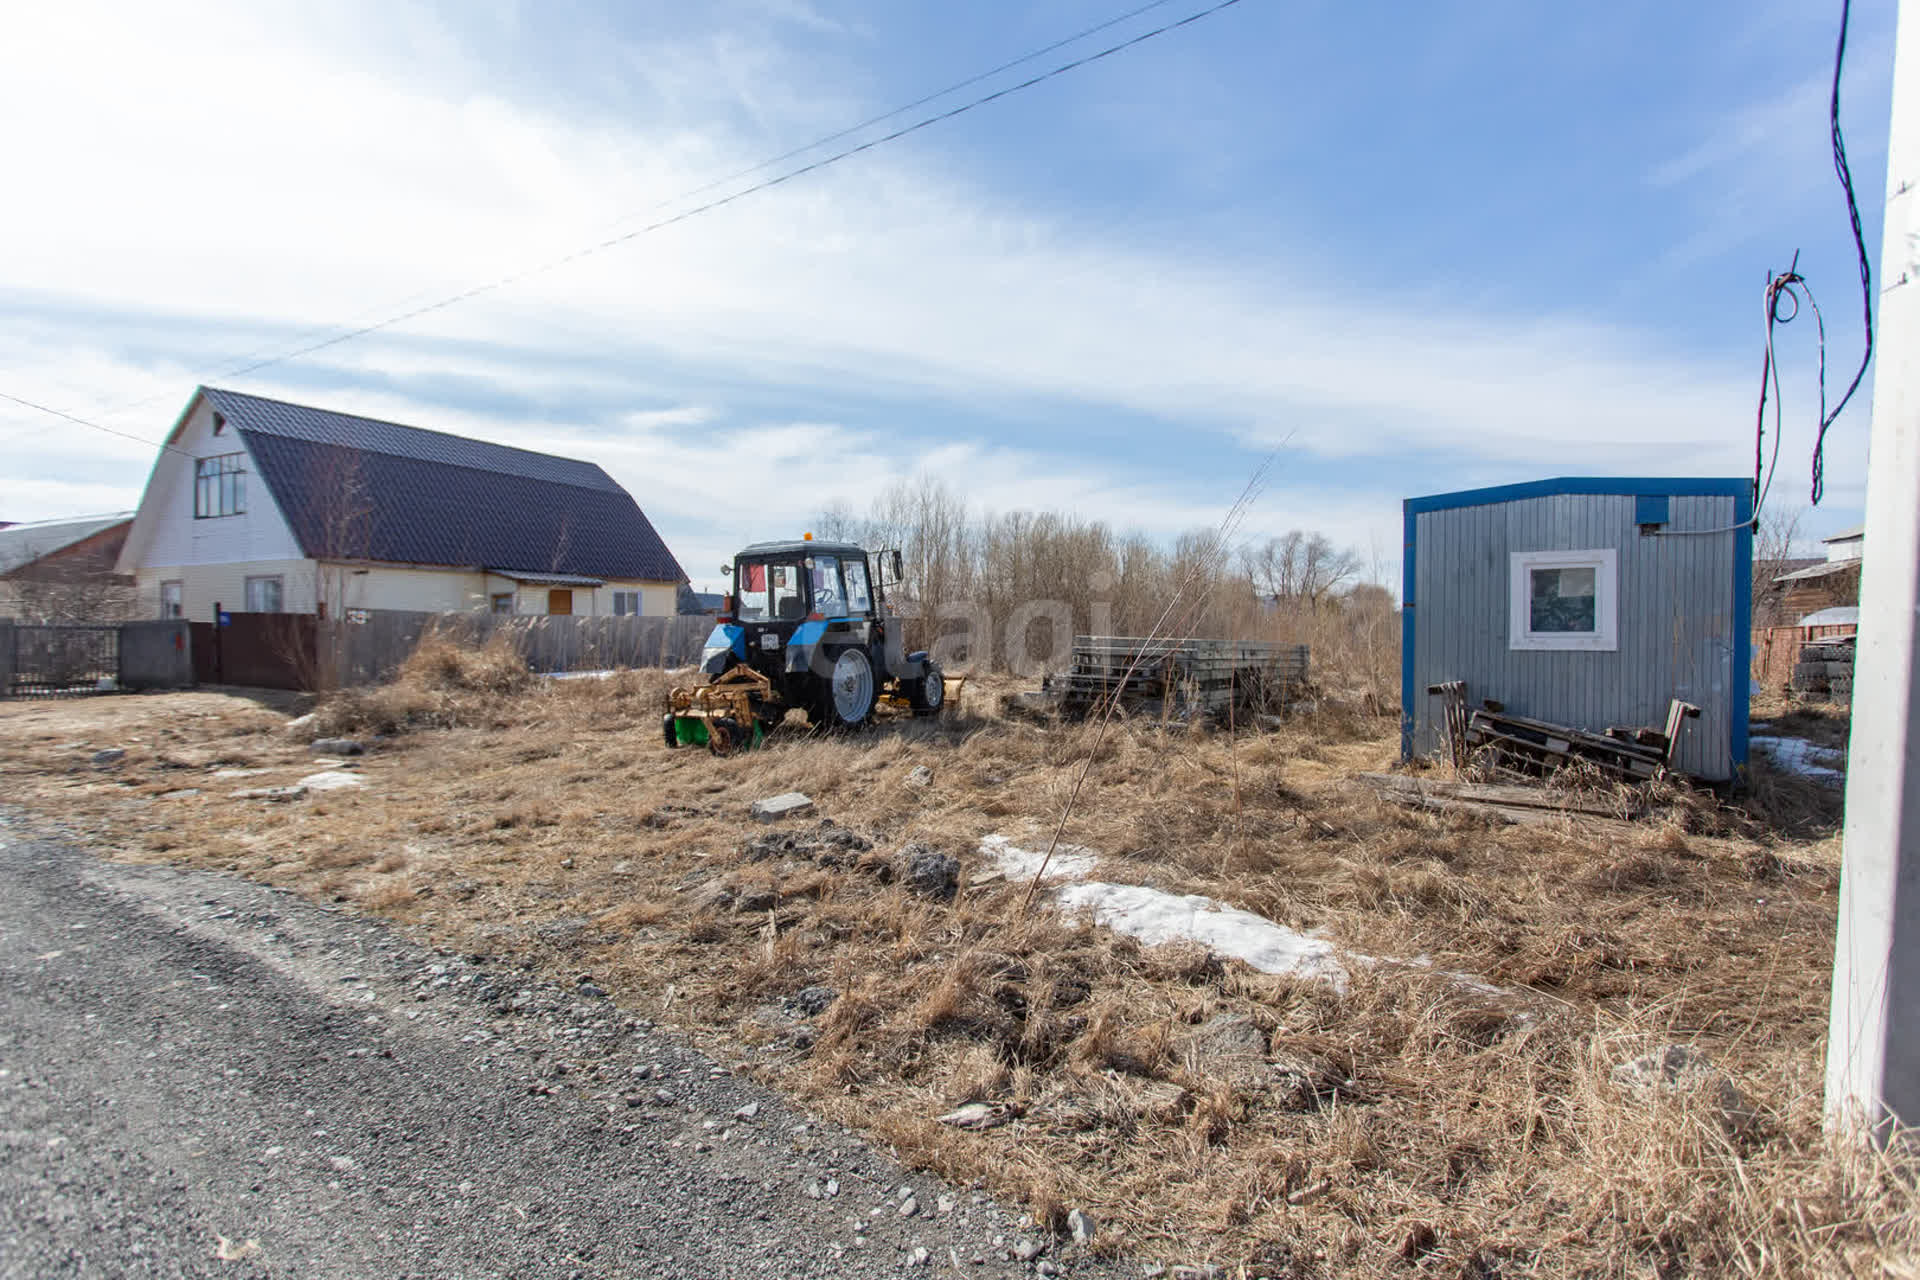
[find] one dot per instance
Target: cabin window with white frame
(220, 486)
(173, 599)
(1564, 600)
(626, 603)
(502, 602)
(264, 594)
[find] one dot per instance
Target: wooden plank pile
(1521, 805)
(1522, 745)
(1177, 678)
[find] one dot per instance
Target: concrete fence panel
(156, 654)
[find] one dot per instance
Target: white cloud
(271, 165)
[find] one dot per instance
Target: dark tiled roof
(362, 489)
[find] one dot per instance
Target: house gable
(165, 531)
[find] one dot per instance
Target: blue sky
(1412, 248)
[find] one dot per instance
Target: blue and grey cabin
(1587, 602)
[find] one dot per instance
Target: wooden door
(560, 601)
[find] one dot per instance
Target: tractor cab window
(769, 592)
(859, 600)
(828, 598)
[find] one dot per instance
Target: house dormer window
(219, 424)
(220, 486)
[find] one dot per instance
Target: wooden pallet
(1525, 745)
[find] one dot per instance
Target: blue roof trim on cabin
(1739, 489)
(1617, 486)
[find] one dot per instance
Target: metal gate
(60, 661)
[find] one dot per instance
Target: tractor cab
(805, 625)
(789, 598)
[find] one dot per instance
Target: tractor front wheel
(848, 699)
(928, 694)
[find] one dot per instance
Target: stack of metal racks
(1180, 678)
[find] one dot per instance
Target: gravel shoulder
(200, 1076)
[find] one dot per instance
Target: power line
(115, 431)
(711, 205)
(754, 168)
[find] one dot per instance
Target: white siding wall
(204, 585)
(397, 587)
(165, 531)
(657, 599)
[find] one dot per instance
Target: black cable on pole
(1845, 175)
(1791, 286)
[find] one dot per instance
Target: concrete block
(774, 808)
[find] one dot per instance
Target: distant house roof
(22, 544)
(1848, 535)
(1824, 569)
(1794, 565)
(356, 488)
(1839, 616)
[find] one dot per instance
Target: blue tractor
(805, 625)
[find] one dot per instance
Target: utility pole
(1873, 1045)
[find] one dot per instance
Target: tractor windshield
(769, 592)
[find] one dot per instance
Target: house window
(625, 602)
(173, 599)
(220, 486)
(503, 602)
(263, 594)
(1564, 600)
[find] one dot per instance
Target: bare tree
(55, 590)
(1772, 557)
(1299, 567)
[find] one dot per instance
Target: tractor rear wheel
(928, 694)
(848, 698)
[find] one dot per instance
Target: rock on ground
(929, 872)
(790, 805)
(1678, 1069)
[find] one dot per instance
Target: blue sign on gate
(226, 619)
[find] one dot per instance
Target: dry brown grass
(1413, 1125)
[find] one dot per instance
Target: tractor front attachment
(724, 716)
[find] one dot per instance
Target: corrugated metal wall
(1676, 625)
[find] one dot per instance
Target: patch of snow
(1069, 861)
(238, 773)
(1155, 917)
(331, 780)
(579, 675)
(1808, 759)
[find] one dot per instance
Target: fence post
(9, 649)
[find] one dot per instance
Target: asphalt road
(200, 1076)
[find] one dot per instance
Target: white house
(260, 506)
